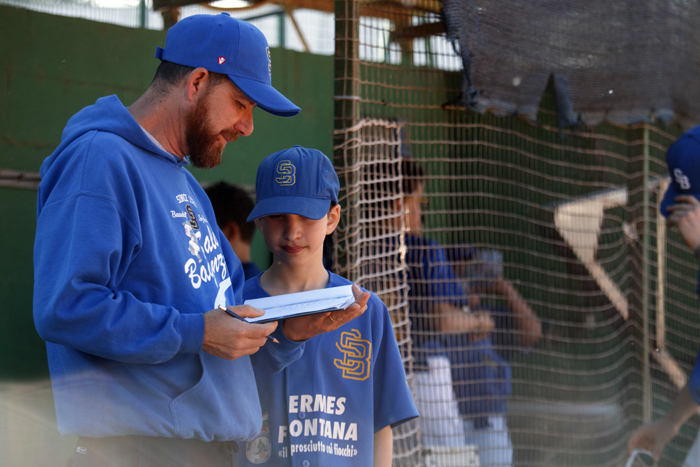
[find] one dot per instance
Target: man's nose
(244, 125)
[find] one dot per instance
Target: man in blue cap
(131, 270)
(682, 209)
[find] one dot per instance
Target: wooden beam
(415, 32)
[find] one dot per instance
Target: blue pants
(143, 451)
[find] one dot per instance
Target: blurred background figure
(232, 205)
(481, 373)
(478, 339)
(681, 208)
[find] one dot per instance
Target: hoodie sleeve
(83, 248)
(273, 357)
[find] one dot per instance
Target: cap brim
(313, 208)
(266, 97)
(669, 200)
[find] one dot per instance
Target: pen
(231, 313)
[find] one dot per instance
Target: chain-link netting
(551, 311)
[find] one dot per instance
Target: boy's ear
(333, 219)
(257, 223)
(398, 205)
(230, 230)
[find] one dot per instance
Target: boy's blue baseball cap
(232, 47)
(683, 161)
(297, 181)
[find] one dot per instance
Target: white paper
(302, 303)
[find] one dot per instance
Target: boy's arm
(383, 447)
(525, 320)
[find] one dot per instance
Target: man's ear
(197, 80)
(333, 219)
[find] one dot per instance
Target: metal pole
(283, 31)
(661, 279)
(646, 267)
(142, 13)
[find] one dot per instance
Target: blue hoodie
(127, 258)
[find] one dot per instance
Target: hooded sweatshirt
(127, 258)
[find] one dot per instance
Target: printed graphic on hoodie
(207, 263)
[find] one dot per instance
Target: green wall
(51, 67)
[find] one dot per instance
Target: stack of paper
(302, 303)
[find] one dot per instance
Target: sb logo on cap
(288, 173)
(269, 61)
(681, 179)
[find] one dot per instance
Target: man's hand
(231, 338)
(652, 437)
(685, 216)
(306, 327)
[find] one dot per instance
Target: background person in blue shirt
(478, 340)
(682, 209)
(337, 404)
(232, 206)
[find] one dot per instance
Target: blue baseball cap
(683, 161)
(297, 181)
(232, 47)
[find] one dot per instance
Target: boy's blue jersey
(325, 408)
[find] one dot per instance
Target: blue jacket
(127, 259)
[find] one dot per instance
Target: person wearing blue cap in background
(681, 207)
(131, 269)
(334, 406)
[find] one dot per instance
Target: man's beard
(200, 141)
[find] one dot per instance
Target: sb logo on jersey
(288, 173)
(357, 353)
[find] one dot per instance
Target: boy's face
(413, 210)
(297, 239)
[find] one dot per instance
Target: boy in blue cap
(681, 208)
(130, 267)
(337, 403)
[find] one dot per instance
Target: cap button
(224, 13)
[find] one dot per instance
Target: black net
(566, 215)
(619, 61)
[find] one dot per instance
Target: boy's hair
(412, 176)
(232, 204)
(383, 178)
